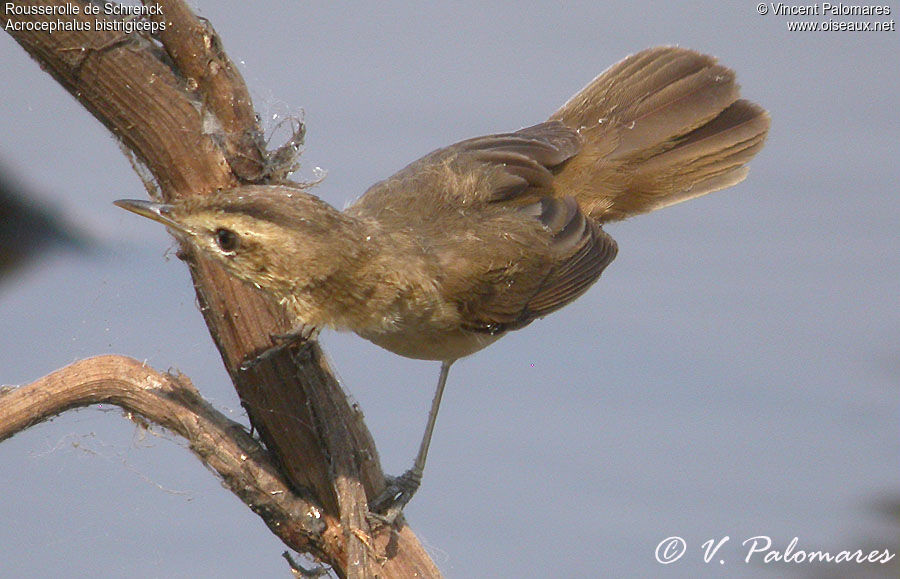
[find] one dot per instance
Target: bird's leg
(301, 333)
(399, 490)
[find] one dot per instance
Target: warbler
(484, 236)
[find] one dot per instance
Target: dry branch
(172, 402)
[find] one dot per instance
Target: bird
(483, 237)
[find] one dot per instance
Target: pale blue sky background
(734, 372)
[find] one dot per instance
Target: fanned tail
(662, 126)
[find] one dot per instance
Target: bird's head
(274, 237)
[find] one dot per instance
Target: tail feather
(660, 127)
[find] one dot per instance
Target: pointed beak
(160, 212)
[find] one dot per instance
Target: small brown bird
(487, 235)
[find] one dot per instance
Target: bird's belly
(430, 344)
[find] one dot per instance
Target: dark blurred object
(27, 228)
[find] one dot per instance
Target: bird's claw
(302, 334)
(388, 505)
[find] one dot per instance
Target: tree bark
(182, 110)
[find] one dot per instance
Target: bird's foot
(281, 342)
(387, 506)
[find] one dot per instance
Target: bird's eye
(227, 240)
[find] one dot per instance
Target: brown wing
(521, 164)
(513, 297)
(496, 191)
(517, 167)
